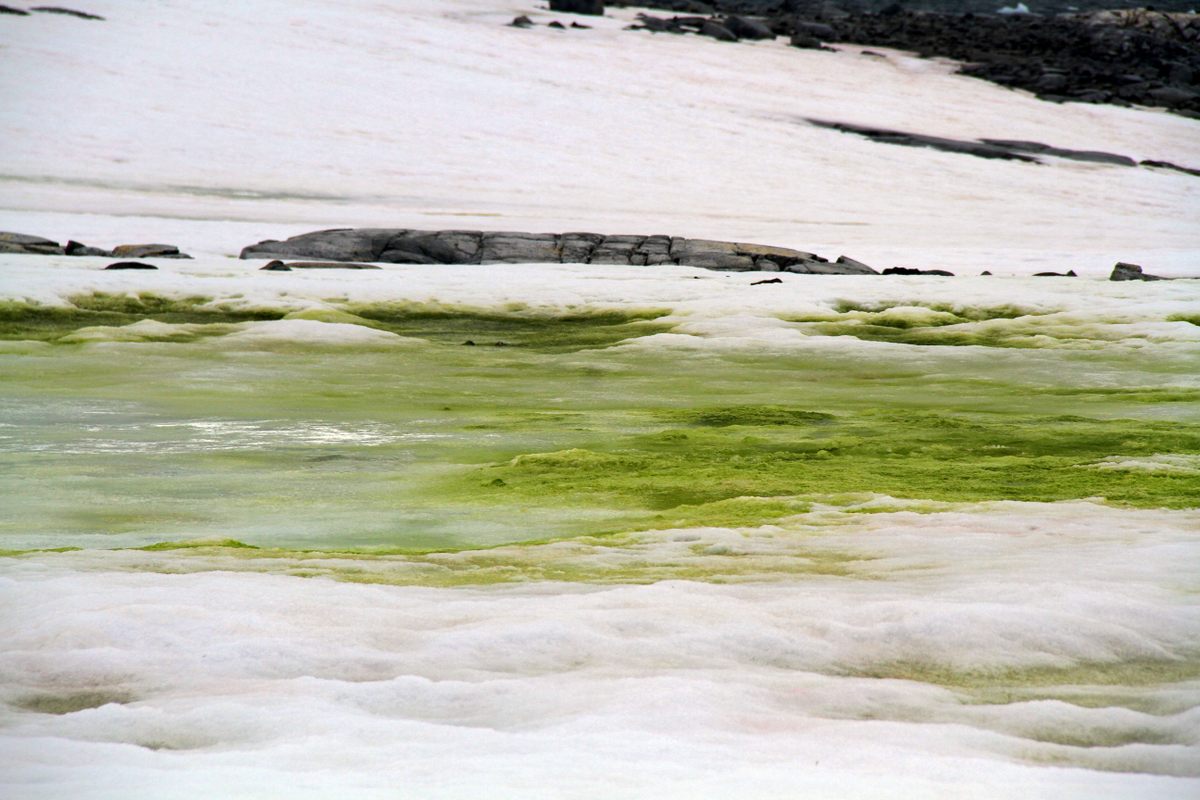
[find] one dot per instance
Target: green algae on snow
(518, 326)
(899, 453)
(445, 446)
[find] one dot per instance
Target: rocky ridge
(405, 246)
(1123, 57)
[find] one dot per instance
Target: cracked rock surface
(405, 246)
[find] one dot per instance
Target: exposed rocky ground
(365, 248)
(1006, 149)
(37, 245)
(1124, 57)
(403, 246)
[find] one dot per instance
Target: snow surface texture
(170, 121)
(966, 650)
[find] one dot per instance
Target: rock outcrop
(1126, 57)
(405, 246)
(593, 7)
(1131, 272)
(37, 245)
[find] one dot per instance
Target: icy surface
(224, 126)
(873, 647)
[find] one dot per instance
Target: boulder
(130, 265)
(276, 266)
(25, 243)
(336, 244)
(148, 251)
(521, 22)
(1131, 272)
(593, 7)
(1068, 274)
(853, 267)
(74, 248)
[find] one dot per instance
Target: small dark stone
(581, 27)
(557, 25)
(1067, 274)
(521, 22)
(766, 281)
(276, 266)
(469, 343)
(985, 272)
(500, 344)
(130, 265)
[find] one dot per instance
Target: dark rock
(717, 31)
(1131, 272)
(469, 343)
(710, 254)
(912, 271)
(11, 10)
(31, 245)
(652, 251)
(581, 27)
(853, 267)
(276, 266)
(557, 25)
(805, 40)
(521, 22)
(1169, 165)
(593, 7)
(74, 248)
(1096, 156)
(766, 281)
(130, 265)
(1068, 274)
(617, 250)
(337, 244)
(744, 28)
(519, 248)
(68, 11)
(816, 30)
(148, 251)
(576, 248)
(986, 272)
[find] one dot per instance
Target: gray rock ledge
(405, 246)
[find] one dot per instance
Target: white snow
(1027, 627)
